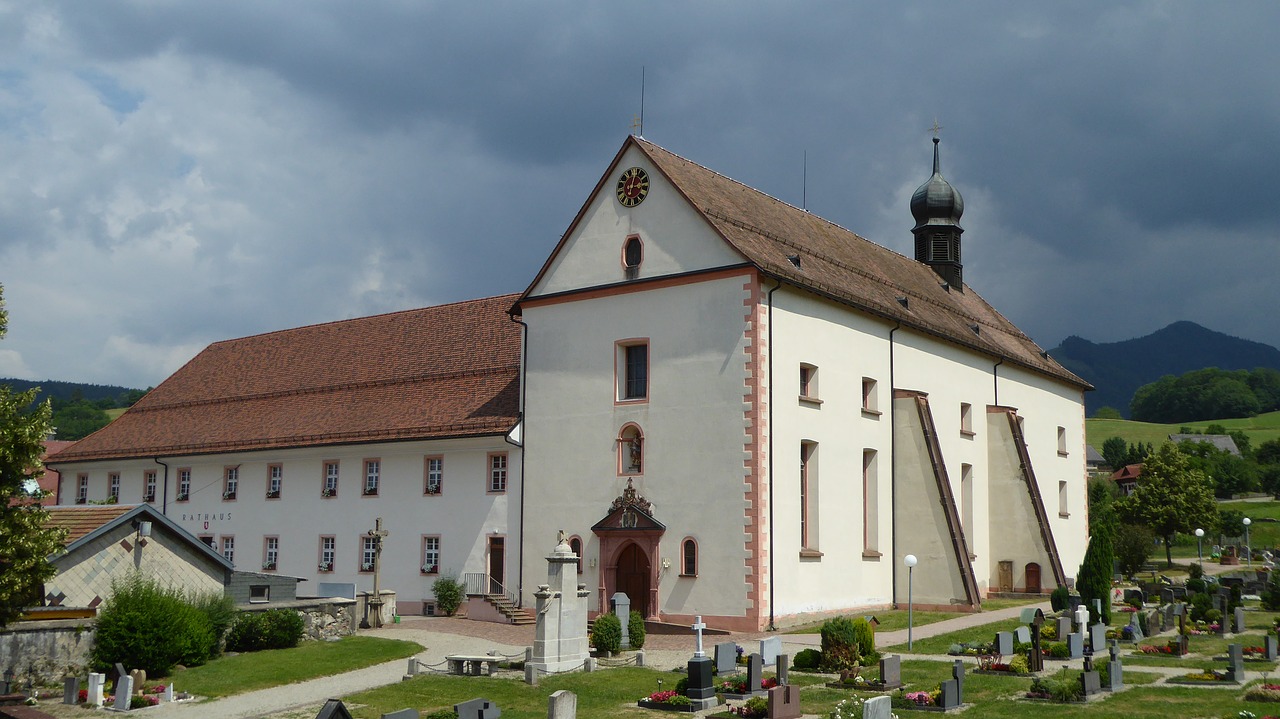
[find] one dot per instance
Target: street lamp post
(1248, 548)
(910, 561)
(1199, 546)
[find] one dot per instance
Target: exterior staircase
(508, 609)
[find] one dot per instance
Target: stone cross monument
(375, 602)
(560, 638)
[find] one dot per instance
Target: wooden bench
(471, 664)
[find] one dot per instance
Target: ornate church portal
(629, 537)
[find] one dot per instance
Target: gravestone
(1097, 637)
(560, 637)
(562, 704)
(96, 682)
(1064, 628)
(1271, 647)
(1081, 618)
(1166, 595)
(770, 649)
(168, 692)
(891, 671)
(477, 709)
(950, 695)
(402, 714)
(124, 692)
(1115, 672)
(71, 690)
(1136, 628)
(1166, 617)
(784, 667)
(755, 673)
(622, 610)
(1235, 662)
(701, 690)
(1184, 644)
(1090, 682)
(1004, 643)
(139, 677)
(1028, 615)
(1075, 646)
(1220, 602)
(1239, 626)
(784, 702)
(1035, 658)
(957, 675)
(1132, 594)
(333, 709)
(880, 707)
(726, 658)
(1022, 635)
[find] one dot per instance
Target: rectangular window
(207, 539)
(184, 484)
(431, 555)
(633, 370)
(870, 505)
(966, 419)
(230, 482)
(330, 488)
(82, 489)
(328, 550)
(435, 475)
(372, 471)
(808, 382)
(809, 499)
(149, 486)
(259, 593)
(1063, 509)
(368, 553)
(498, 473)
(229, 548)
(275, 480)
(870, 402)
(270, 553)
(1062, 442)
(113, 486)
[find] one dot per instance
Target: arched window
(630, 451)
(688, 558)
(632, 254)
(575, 544)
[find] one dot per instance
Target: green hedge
(635, 630)
(606, 633)
(272, 629)
(145, 625)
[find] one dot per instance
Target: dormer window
(632, 253)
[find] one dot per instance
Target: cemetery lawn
(895, 619)
(942, 642)
(273, 667)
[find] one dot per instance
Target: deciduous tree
(25, 542)
(1170, 497)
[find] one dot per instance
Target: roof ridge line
(326, 388)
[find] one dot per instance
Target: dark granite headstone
(335, 709)
(1239, 617)
(1004, 643)
(1115, 672)
(784, 702)
(755, 673)
(1132, 594)
(1271, 645)
(477, 709)
(71, 690)
(402, 714)
(1235, 662)
(950, 694)
(700, 683)
(784, 667)
(1075, 646)
(1064, 628)
(891, 671)
(1166, 595)
(957, 673)
(726, 658)
(1091, 683)
(1097, 637)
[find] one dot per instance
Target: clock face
(633, 187)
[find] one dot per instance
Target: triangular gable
(629, 519)
(75, 517)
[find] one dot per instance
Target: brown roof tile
(445, 371)
(845, 267)
(81, 520)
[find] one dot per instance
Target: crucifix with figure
(375, 602)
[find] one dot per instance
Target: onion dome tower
(936, 207)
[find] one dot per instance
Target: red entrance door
(1033, 578)
(633, 578)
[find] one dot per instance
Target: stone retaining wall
(48, 649)
(323, 618)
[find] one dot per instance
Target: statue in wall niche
(636, 454)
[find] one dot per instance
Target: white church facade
(731, 407)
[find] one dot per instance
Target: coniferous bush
(606, 633)
(1058, 598)
(864, 635)
(221, 611)
(1271, 595)
(145, 625)
(635, 630)
(840, 649)
(807, 659)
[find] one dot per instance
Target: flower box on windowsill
(430, 569)
(82, 500)
(269, 566)
(326, 566)
(328, 493)
(370, 491)
(433, 489)
(366, 567)
(228, 495)
(183, 497)
(149, 498)
(273, 495)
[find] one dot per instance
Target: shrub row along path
(441, 637)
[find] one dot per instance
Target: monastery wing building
(733, 408)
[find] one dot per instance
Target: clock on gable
(633, 187)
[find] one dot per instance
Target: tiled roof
(1127, 473)
(446, 371)
(845, 267)
(80, 520)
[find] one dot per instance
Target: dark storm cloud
(180, 173)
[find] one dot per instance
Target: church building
(732, 408)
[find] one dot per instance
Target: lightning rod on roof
(804, 183)
(637, 124)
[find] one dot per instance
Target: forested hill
(1118, 369)
(67, 392)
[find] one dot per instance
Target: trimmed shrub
(449, 592)
(864, 636)
(807, 659)
(635, 630)
(144, 625)
(441, 714)
(606, 633)
(1058, 650)
(839, 645)
(272, 629)
(1020, 665)
(1058, 599)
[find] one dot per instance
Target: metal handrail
(479, 584)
